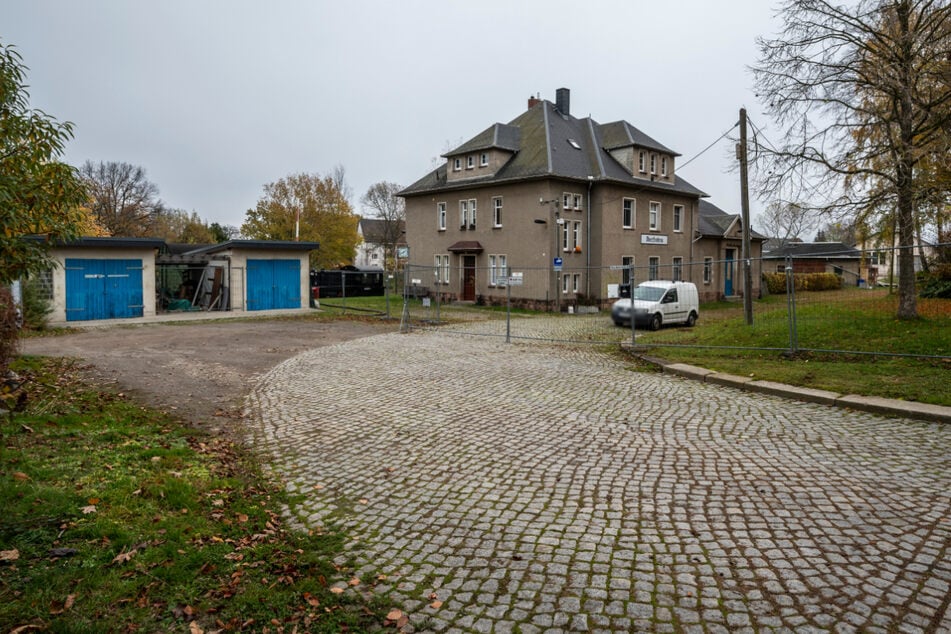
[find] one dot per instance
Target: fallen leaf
(88, 509)
(363, 501)
(436, 605)
(318, 486)
(402, 621)
(194, 628)
(9, 555)
(19, 475)
(70, 601)
(218, 502)
(242, 518)
(93, 500)
(395, 614)
(354, 582)
(23, 629)
(433, 595)
(336, 590)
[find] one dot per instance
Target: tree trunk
(907, 293)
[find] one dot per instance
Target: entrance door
(468, 278)
(728, 272)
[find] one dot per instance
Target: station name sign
(647, 238)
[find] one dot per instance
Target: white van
(657, 303)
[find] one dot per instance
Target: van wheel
(691, 319)
(655, 322)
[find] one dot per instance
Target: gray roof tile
(547, 143)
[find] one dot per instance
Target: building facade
(575, 205)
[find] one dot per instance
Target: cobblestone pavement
(545, 488)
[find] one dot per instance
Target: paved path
(543, 488)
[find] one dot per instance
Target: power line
(704, 150)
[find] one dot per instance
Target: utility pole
(745, 209)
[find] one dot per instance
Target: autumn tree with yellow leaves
(308, 207)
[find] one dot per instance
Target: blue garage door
(103, 289)
(273, 284)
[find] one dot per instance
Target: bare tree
(124, 201)
(786, 221)
(382, 202)
(862, 93)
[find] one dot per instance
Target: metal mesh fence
(809, 302)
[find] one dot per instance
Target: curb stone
(873, 404)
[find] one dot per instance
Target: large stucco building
(568, 202)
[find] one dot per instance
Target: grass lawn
(118, 518)
(856, 320)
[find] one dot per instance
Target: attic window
(574, 144)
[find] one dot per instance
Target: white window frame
(653, 267)
(472, 213)
(707, 270)
(653, 216)
(565, 277)
(653, 163)
(678, 218)
(576, 282)
(663, 166)
(576, 236)
(470, 162)
(497, 211)
(456, 164)
(633, 210)
(566, 201)
(641, 162)
(441, 216)
(677, 269)
(484, 159)
(577, 202)
(565, 235)
(442, 269)
(464, 214)
(627, 261)
(498, 268)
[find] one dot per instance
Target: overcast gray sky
(216, 98)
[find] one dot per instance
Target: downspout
(587, 249)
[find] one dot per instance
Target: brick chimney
(533, 101)
(563, 101)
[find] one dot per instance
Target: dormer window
(456, 164)
(663, 166)
(640, 162)
(484, 160)
(470, 162)
(653, 163)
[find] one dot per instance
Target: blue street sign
(557, 263)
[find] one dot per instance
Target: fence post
(791, 306)
(630, 279)
(404, 317)
(508, 310)
(386, 291)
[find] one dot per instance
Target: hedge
(776, 282)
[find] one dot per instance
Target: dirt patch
(199, 371)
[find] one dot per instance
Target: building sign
(647, 238)
(402, 252)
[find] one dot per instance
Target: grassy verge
(118, 518)
(850, 320)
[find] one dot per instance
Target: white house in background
(375, 234)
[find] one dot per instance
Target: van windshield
(648, 293)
